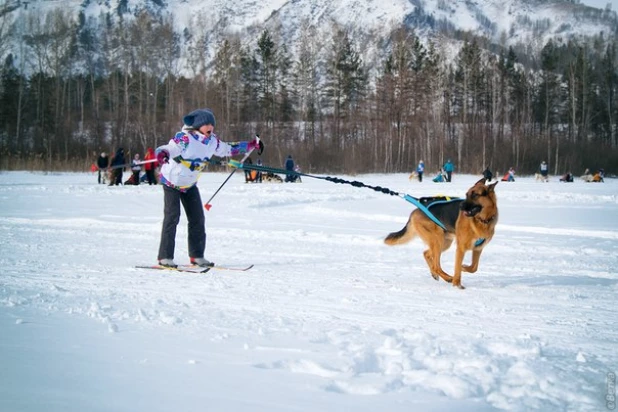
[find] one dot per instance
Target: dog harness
(424, 203)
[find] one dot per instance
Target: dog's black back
(446, 211)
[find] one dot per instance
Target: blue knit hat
(199, 118)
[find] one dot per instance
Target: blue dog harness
(425, 203)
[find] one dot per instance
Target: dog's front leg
(473, 267)
(459, 256)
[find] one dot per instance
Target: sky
(329, 318)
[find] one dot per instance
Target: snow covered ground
(329, 319)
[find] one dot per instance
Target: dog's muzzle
(470, 209)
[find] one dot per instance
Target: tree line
(339, 101)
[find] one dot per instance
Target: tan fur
(540, 178)
(468, 230)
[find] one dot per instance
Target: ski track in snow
(327, 304)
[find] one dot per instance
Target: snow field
(329, 319)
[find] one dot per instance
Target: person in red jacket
(150, 167)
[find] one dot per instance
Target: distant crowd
(111, 169)
(445, 174)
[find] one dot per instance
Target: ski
(196, 269)
(232, 268)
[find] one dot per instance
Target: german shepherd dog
(471, 222)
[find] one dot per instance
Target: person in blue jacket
(448, 168)
(289, 166)
(419, 170)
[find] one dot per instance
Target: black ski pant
(150, 176)
(192, 203)
(116, 177)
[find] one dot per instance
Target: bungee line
(415, 201)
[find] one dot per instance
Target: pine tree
(345, 84)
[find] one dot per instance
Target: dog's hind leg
(429, 260)
(433, 254)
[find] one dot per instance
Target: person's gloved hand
(163, 156)
(256, 144)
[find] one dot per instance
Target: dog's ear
(480, 182)
(492, 187)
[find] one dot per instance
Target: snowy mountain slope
(502, 20)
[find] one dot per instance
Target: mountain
(505, 22)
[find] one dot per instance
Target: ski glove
(256, 144)
(163, 156)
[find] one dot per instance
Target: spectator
(150, 167)
(103, 165)
(448, 168)
(544, 170)
(289, 167)
(117, 165)
(420, 169)
(259, 172)
(136, 168)
(567, 178)
(509, 176)
(296, 177)
(440, 177)
(487, 174)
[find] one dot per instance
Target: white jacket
(189, 152)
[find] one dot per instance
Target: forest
(340, 101)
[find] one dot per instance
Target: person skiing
(181, 161)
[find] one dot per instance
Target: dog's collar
(486, 221)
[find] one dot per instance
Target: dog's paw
(459, 286)
(436, 277)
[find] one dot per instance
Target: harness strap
(192, 164)
(424, 209)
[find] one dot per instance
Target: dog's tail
(403, 236)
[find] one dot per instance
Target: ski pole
(207, 205)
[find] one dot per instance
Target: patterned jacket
(189, 152)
